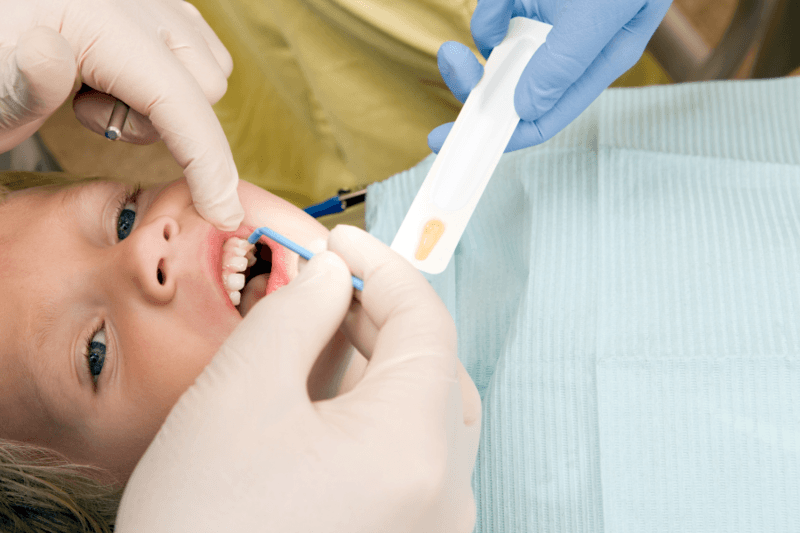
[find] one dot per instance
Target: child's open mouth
(256, 278)
(245, 272)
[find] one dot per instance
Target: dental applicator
(444, 204)
(293, 246)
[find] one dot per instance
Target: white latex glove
(244, 449)
(158, 56)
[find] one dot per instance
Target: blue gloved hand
(591, 44)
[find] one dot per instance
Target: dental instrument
(358, 284)
(444, 204)
(336, 204)
(117, 121)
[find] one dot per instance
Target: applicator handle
(358, 284)
(444, 204)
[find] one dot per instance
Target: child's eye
(96, 353)
(125, 220)
(126, 214)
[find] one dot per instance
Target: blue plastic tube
(293, 246)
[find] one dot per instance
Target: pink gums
(213, 253)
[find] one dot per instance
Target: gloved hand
(244, 449)
(591, 44)
(158, 56)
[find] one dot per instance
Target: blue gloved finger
(459, 68)
(527, 134)
(581, 32)
(438, 135)
(489, 23)
(620, 54)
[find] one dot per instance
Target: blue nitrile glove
(591, 44)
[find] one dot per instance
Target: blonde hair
(40, 490)
(11, 181)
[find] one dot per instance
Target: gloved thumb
(437, 137)
(459, 68)
(461, 71)
(282, 336)
(38, 75)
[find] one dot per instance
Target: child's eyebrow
(47, 371)
(75, 195)
(44, 321)
(85, 200)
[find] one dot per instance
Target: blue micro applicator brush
(293, 246)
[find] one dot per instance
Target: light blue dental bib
(627, 298)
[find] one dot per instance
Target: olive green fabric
(331, 94)
(327, 95)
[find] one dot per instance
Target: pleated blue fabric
(627, 298)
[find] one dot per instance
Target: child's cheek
(207, 310)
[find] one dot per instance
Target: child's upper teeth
(237, 256)
(236, 245)
(236, 297)
(233, 282)
(235, 264)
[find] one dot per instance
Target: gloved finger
(618, 56)
(529, 134)
(93, 110)
(39, 74)
(282, 336)
(192, 50)
(464, 438)
(361, 331)
(459, 68)
(223, 57)
(155, 83)
(438, 135)
(470, 397)
(413, 360)
(489, 23)
(195, 138)
(576, 39)
(461, 71)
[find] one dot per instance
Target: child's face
(153, 301)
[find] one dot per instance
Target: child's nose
(153, 256)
